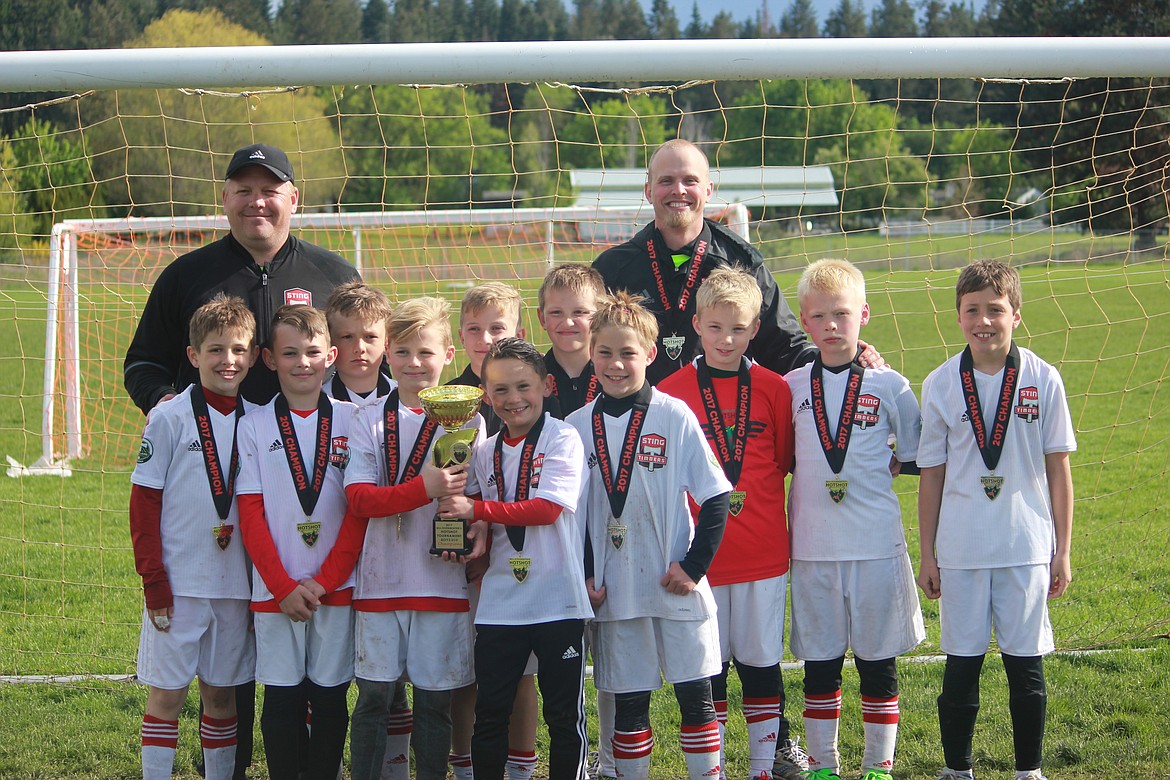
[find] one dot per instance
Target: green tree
(420, 147)
(587, 21)
(799, 21)
(16, 228)
(53, 174)
(893, 19)
(954, 20)
(847, 20)
(723, 26)
(319, 21)
(376, 22)
(252, 14)
(413, 21)
(108, 24)
(695, 27)
(451, 20)
(39, 24)
(615, 133)
(161, 152)
(664, 21)
(481, 23)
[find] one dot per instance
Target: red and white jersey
(867, 523)
(755, 542)
(631, 553)
(396, 569)
(264, 470)
(1015, 529)
(203, 557)
(545, 580)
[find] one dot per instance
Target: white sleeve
(907, 421)
(155, 452)
(932, 444)
(365, 468)
(1058, 429)
(702, 475)
(560, 474)
(249, 481)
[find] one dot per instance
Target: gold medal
(738, 499)
(992, 485)
(837, 488)
(520, 567)
(309, 532)
(223, 535)
(617, 535)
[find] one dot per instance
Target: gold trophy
(451, 406)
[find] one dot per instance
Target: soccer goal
(448, 164)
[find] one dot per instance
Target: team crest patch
(223, 535)
(145, 451)
(537, 463)
(738, 497)
(867, 411)
(673, 344)
(992, 485)
(310, 533)
(651, 451)
(339, 452)
(520, 568)
(1028, 408)
(617, 535)
(837, 488)
(298, 296)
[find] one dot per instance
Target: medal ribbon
(418, 452)
(835, 447)
(341, 392)
(618, 489)
(308, 491)
(990, 447)
(523, 476)
(656, 248)
(222, 487)
(730, 453)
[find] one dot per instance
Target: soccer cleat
(821, 774)
(762, 775)
(791, 761)
(1031, 774)
(593, 768)
(877, 774)
(951, 774)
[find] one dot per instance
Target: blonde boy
(357, 316)
(407, 602)
(746, 414)
(852, 585)
(645, 453)
(293, 452)
(567, 299)
(994, 513)
(489, 312)
(194, 574)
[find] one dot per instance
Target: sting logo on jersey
(339, 452)
(537, 463)
(298, 296)
(673, 345)
(651, 451)
(223, 535)
(867, 411)
(1028, 409)
(805, 406)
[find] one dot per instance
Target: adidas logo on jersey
(491, 482)
(570, 654)
(591, 461)
(194, 447)
(963, 418)
(275, 445)
(805, 406)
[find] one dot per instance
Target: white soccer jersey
(203, 557)
(867, 523)
(264, 470)
(331, 389)
(545, 580)
(633, 552)
(396, 560)
(1015, 528)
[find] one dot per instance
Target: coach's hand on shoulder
(447, 481)
(928, 578)
(300, 604)
(870, 357)
(677, 581)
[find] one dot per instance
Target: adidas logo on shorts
(570, 654)
(275, 445)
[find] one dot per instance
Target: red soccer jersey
(755, 544)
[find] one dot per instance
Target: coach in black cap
(258, 261)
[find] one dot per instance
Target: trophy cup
(451, 406)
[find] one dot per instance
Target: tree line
(1095, 148)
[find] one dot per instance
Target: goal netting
(429, 189)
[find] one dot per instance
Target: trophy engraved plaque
(451, 406)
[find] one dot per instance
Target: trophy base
(450, 536)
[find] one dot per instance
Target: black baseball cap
(261, 154)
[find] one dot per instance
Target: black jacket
(780, 345)
(156, 362)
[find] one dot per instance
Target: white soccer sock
(218, 737)
(521, 765)
(822, 718)
(881, 732)
(605, 715)
(396, 764)
(763, 721)
(461, 766)
(631, 754)
(159, 740)
(700, 745)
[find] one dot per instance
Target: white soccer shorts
(751, 620)
(634, 655)
(208, 638)
(431, 649)
(320, 649)
(1013, 600)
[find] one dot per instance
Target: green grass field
(70, 600)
